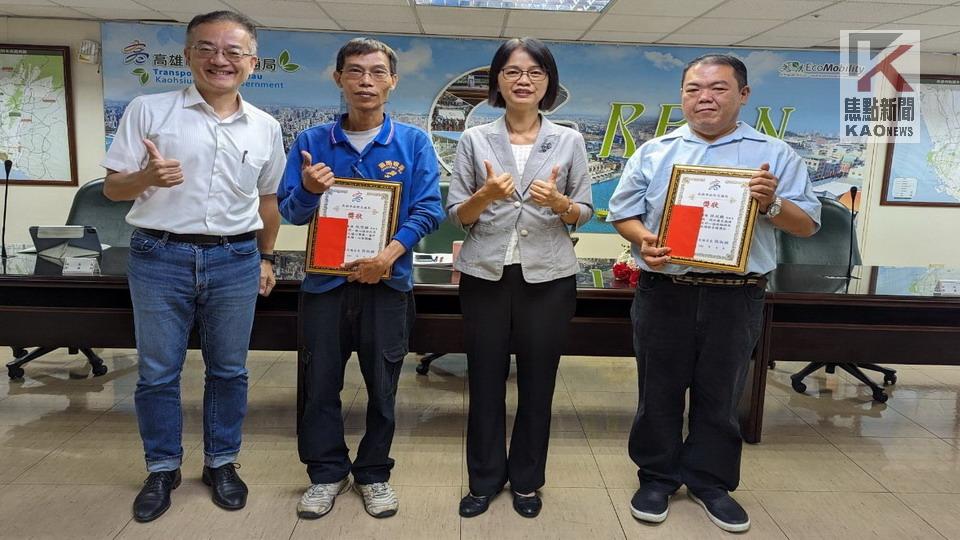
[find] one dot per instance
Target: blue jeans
(174, 285)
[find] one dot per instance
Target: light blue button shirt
(642, 191)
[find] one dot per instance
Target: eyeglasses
(513, 74)
(355, 73)
(209, 51)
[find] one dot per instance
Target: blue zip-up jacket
(399, 153)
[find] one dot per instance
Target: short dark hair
(365, 45)
(224, 16)
(739, 70)
(540, 53)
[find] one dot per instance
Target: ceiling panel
(623, 37)
(278, 9)
(682, 38)
(810, 27)
(184, 6)
(640, 23)
(461, 16)
(774, 40)
(860, 12)
(924, 31)
(662, 7)
(743, 27)
(938, 2)
(551, 20)
(541, 33)
(297, 23)
(385, 26)
(449, 29)
(782, 10)
(7, 3)
(398, 15)
(936, 17)
(122, 14)
(43, 11)
(105, 4)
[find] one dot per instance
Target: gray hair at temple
(739, 69)
(224, 16)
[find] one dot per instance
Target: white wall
(48, 205)
(904, 236)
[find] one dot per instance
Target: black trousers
(699, 338)
(531, 319)
(374, 320)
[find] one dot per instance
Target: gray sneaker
(317, 501)
(379, 499)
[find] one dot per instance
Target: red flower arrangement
(625, 269)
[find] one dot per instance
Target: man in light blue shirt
(697, 332)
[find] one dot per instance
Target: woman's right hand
(497, 187)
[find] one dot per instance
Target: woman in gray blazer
(519, 185)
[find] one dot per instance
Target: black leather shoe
(229, 491)
(528, 507)
(474, 505)
(154, 497)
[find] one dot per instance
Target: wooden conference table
(808, 316)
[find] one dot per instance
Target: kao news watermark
(878, 93)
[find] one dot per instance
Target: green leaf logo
(143, 75)
(285, 64)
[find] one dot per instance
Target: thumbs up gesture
(160, 172)
(545, 193)
(315, 178)
(497, 186)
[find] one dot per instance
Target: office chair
(90, 207)
(831, 245)
(439, 241)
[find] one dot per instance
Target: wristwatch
(269, 257)
(774, 209)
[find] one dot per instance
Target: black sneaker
(725, 512)
(650, 503)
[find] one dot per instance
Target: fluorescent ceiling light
(542, 5)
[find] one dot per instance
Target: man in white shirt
(203, 167)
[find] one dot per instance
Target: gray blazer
(546, 251)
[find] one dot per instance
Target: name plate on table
(709, 217)
(356, 219)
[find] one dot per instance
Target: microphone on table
(7, 167)
(853, 236)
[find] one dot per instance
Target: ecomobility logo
(819, 70)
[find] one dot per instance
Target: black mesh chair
(439, 241)
(90, 207)
(835, 245)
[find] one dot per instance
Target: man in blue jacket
(360, 311)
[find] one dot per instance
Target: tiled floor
(832, 464)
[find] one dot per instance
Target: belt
(199, 239)
(713, 280)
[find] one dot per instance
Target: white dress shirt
(227, 163)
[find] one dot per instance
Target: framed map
(927, 173)
(36, 115)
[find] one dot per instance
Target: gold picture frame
(357, 218)
(709, 216)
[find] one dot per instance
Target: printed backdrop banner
(618, 96)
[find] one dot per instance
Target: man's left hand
(763, 187)
(368, 270)
(267, 279)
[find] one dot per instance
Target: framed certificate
(356, 219)
(709, 217)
